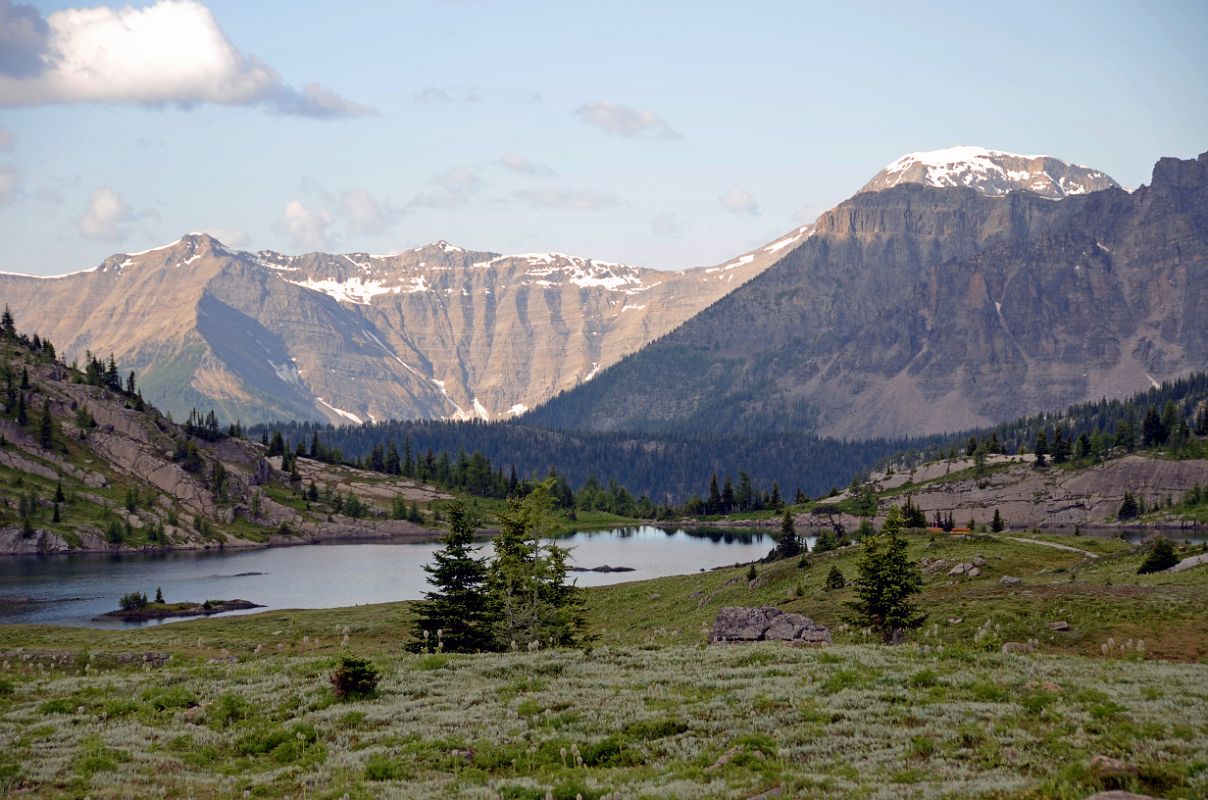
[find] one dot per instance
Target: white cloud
(306, 228)
(107, 216)
(739, 201)
(7, 138)
(566, 199)
(518, 163)
(362, 212)
(618, 120)
(665, 224)
(231, 237)
(171, 52)
(452, 189)
(10, 179)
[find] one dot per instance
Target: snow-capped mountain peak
(991, 172)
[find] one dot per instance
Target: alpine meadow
(548, 401)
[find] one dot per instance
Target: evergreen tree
(1129, 508)
(1153, 432)
(1084, 447)
(46, 427)
(790, 544)
(1161, 557)
(774, 501)
(1126, 435)
(713, 504)
(997, 525)
(529, 598)
(727, 496)
(1061, 447)
(1041, 448)
(1201, 420)
(886, 579)
(7, 326)
(455, 613)
(835, 579)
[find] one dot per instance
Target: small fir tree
(886, 580)
(790, 544)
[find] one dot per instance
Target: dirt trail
(1086, 553)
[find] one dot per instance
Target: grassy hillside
(85, 464)
(243, 704)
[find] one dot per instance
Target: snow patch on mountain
(348, 415)
(991, 172)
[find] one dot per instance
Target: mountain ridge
(917, 310)
(438, 331)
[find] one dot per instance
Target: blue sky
(667, 135)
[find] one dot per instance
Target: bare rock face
(736, 624)
(920, 310)
(435, 332)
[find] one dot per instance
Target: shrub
(132, 601)
(354, 678)
(1161, 556)
(835, 579)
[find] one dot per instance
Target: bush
(132, 601)
(835, 579)
(354, 678)
(1161, 556)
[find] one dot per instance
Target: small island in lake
(136, 608)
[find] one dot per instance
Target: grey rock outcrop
(738, 624)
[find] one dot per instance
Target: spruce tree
(1153, 432)
(997, 525)
(1129, 508)
(713, 504)
(46, 427)
(1041, 448)
(455, 612)
(529, 598)
(886, 579)
(790, 544)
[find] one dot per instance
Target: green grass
(244, 703)
(682, 721)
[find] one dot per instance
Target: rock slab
(739, 624)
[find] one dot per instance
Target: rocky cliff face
(918, 310)
(436, 332)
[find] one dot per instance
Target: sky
(667, 135)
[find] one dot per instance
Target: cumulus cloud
(518, 163)
(107, 216)
(306, 228)
(739, 201)
(7, 138)
(451, 189)
(171, 52)
(566, 199)
(362, 212)
(10, 180)
(665, 224)
(618, 120)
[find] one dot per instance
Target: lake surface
(72, 589)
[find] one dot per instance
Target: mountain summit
(438, 331)
(991, 172)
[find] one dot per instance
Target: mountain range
(958, 288)
(927, 307)
(435, 332)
